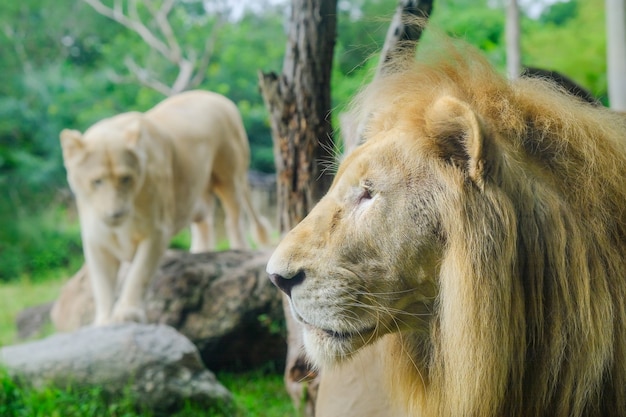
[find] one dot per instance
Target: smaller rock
(161, 368)
(31, 322)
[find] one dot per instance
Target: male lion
(478, 236)
(140, 178)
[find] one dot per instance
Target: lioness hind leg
(261, 227)
(232, 204)
(203, 230)
(202, 236)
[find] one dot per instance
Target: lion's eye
(366, 191)
(366, 194)
(126, 180)
(96, 182)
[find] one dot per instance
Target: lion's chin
(113, 222)
(327, 348)
(117, 219)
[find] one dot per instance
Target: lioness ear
(459, 136)
(71, 144)
(132, 134)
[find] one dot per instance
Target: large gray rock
(161, 367)
(222, 301)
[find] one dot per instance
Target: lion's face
(363, 263)
(105, 174)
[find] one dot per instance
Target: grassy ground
(257, 393)
(18, 295)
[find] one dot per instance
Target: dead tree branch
(162, 39)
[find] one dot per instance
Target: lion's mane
(531, 315)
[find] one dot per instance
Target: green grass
(256, 394)
(259, 394)
(19, 295)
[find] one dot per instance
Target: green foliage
(362, 27)
(461, 22)
(576, 48)
(559, 13)
(35, 241)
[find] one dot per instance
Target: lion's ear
(72, 144)
(459, 136)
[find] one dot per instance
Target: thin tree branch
(144, 77)
(137, 26)
(191, 68)
(161, 18)
(205, 58)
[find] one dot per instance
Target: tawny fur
(518, 271)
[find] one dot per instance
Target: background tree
(616, 53)
(298, 101)
(513, 42)
(302, 148)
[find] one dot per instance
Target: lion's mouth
(337, 335)
(344, 336)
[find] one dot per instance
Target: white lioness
(139, 178)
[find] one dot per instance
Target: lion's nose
(287, 284)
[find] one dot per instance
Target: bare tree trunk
(299, 104)
(616, 53)
(513, 44)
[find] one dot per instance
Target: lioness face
(104, 174)
(108, 182)
(362, 263)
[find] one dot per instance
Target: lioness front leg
(142, 269)
(103, 268)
